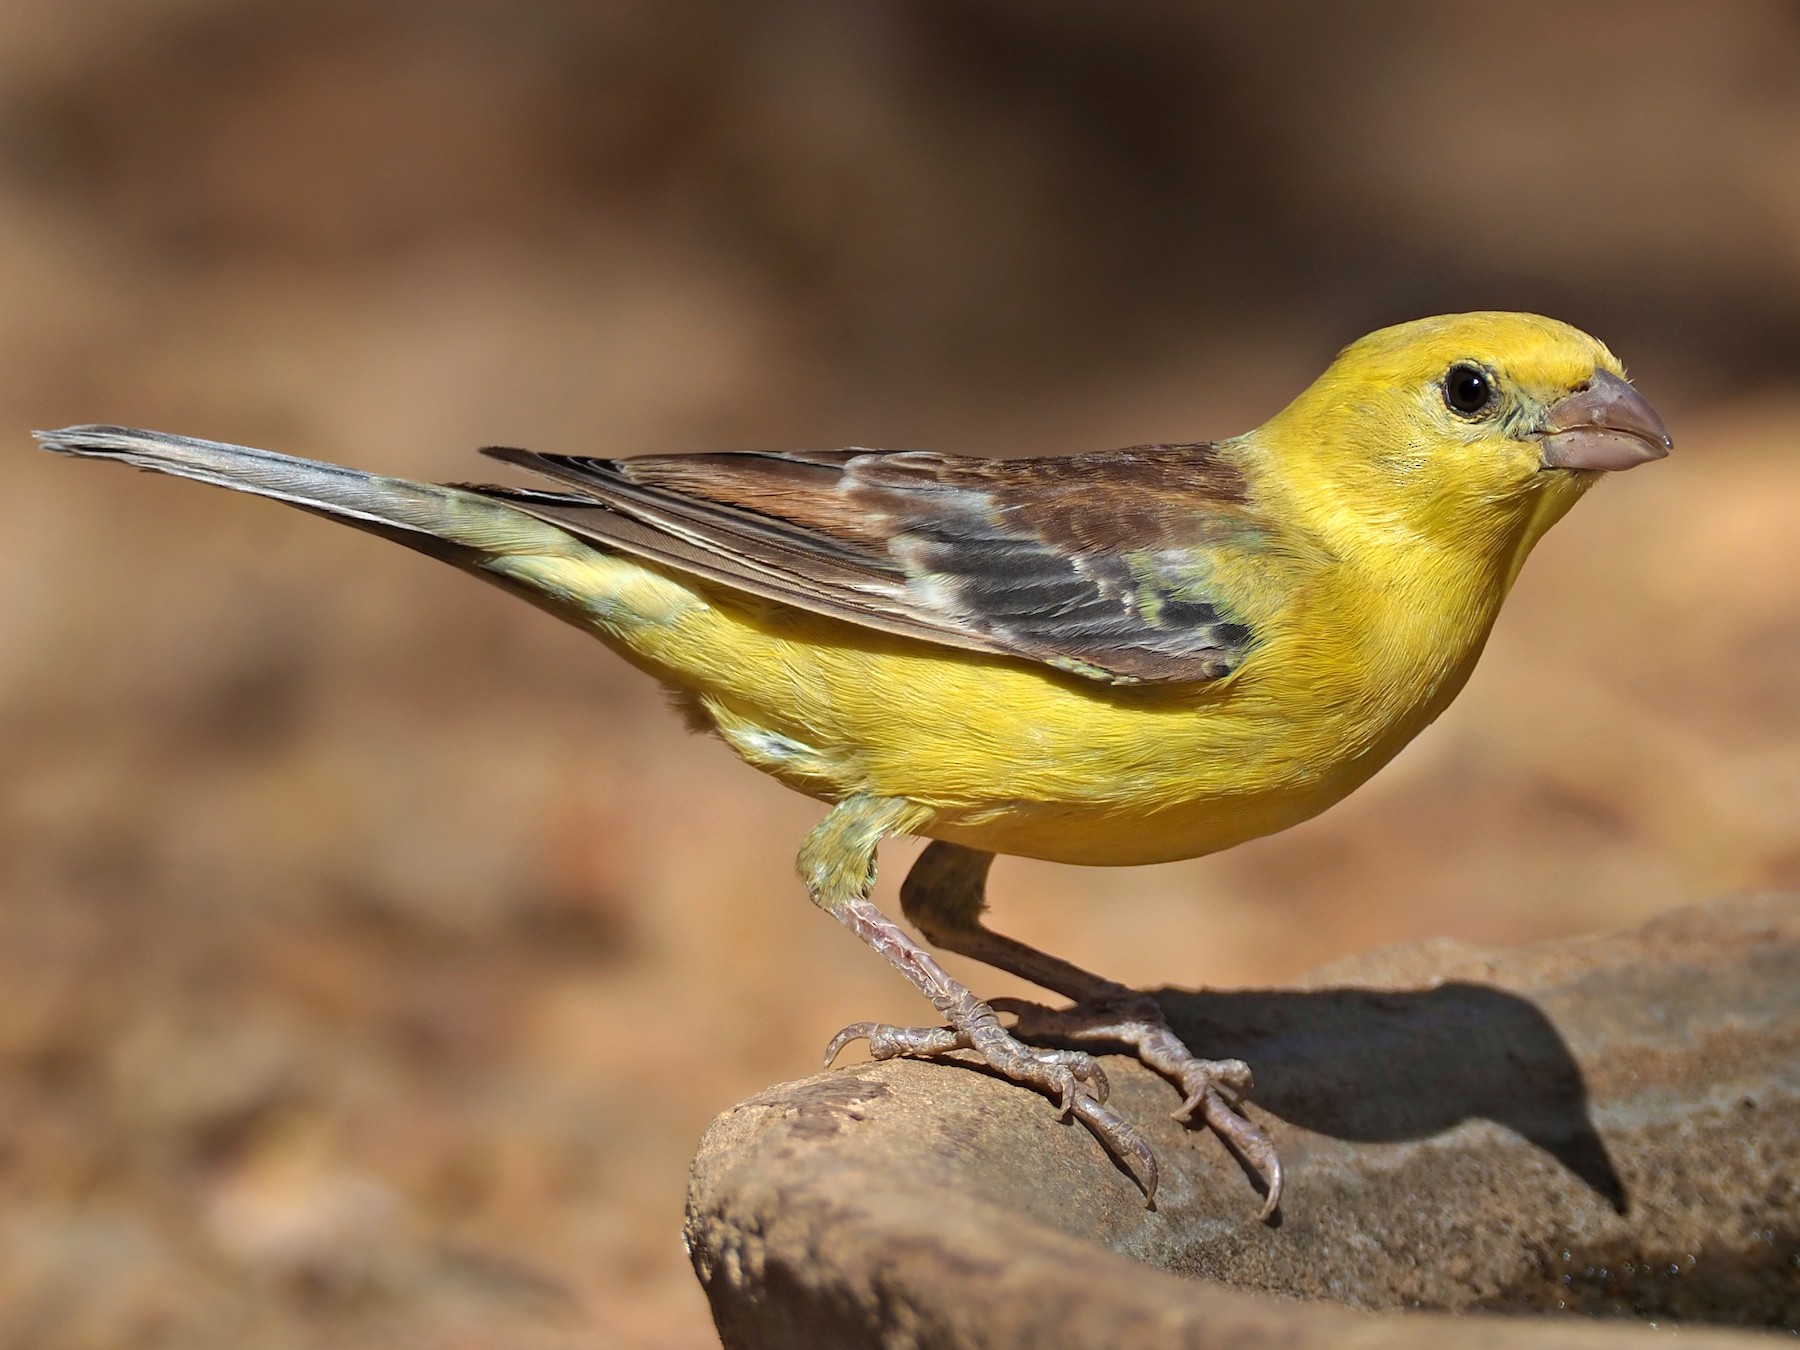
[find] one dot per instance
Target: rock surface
(1606, 1126)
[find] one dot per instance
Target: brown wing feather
(1088, 562)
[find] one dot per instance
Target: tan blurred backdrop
(372, 949)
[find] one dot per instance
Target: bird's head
(1464, 427)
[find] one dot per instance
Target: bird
(1105, 658)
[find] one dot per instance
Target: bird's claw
(1122, 1140)
(1213, 1091)
(890, 1042)
(1223, 1116)
(1065, 1075)
(1199, 1077)
(1073, 1078)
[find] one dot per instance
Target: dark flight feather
(1094, 564)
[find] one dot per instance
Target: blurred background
(373, 950)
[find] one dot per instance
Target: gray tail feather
(449, 523)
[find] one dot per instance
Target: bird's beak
(1606, 426)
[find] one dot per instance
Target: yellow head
(1461, 430)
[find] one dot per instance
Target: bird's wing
(1095, 564)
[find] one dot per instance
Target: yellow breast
(1016, 758)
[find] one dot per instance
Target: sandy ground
(373, 949)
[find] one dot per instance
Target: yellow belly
(1005, 755)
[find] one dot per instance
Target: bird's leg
(837, 862)
(944, 896)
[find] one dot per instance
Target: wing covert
(1096, 564)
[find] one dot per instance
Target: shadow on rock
(1382, 1066)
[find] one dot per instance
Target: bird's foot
(1072, 1077)
(1214, 1090)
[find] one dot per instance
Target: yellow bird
(1122, 657)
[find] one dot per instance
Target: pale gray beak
(1605, 427)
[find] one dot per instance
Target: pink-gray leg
(837, 862)
(945, 894)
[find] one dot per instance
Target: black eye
(1468, 389)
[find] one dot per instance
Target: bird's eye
(1468, 389)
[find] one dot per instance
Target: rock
(1606, 1126)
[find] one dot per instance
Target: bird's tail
(591, 588)
(454, 524)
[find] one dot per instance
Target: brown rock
(1608, 1126)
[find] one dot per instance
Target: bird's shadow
(1379, 1066)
